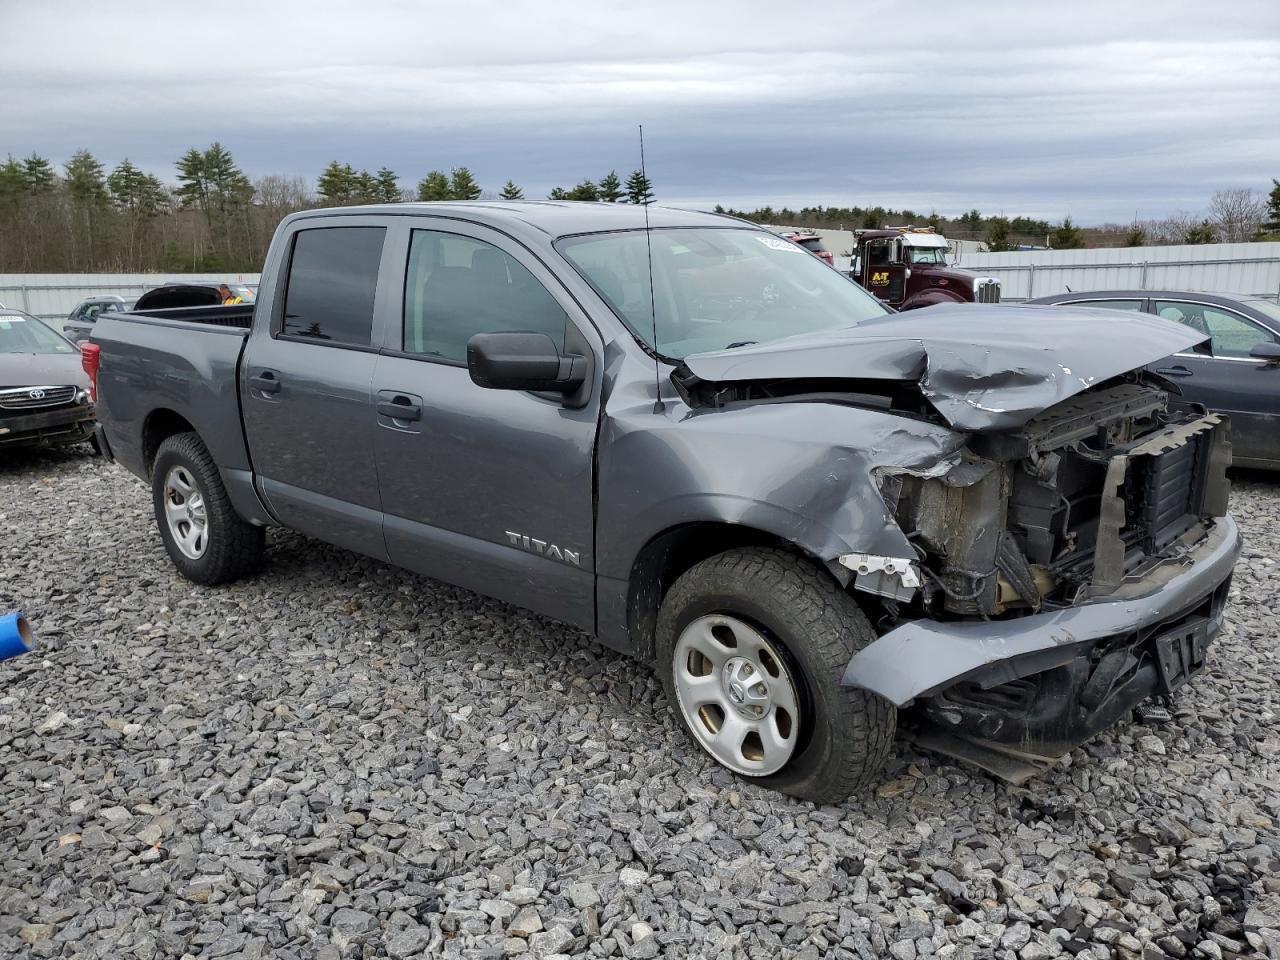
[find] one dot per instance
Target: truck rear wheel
(751, 646)
(206, 539)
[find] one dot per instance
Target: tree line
(1235, 215)
(213, 217)
(87, 218)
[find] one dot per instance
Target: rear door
(488, 489)
(306, 384)
(1229, 381)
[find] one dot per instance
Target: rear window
(332, 278)
(812, 244)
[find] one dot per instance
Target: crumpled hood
(983, 368)
(41, 369)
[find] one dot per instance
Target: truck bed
(173, 365)
(238, 316)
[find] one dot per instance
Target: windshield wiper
(741, 343)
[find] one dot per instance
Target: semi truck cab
(906, 267)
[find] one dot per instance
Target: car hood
(983, 368)
(41, 370)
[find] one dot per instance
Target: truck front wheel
(206, 539)
(751, 646)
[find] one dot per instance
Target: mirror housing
(523, 361)
(1269, 352)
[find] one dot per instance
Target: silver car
(79, 324)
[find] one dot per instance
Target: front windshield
(28, 335)
(716, 288)
(936, 255)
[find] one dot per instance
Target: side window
(332, 278)
(456, 287)
(1231, 335)
(1106, 304)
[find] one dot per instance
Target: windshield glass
(716, 288)
(29, 335)
(1265, 307)
(936, 255)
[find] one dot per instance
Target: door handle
(265, 381)
(400, 408)
(1178, 371)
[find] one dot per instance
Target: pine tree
(639, 188)
(86, 180)
(193, 182)
(38, 174)
(434, 186)
(1066, 236)
(998, 238)
(134, 191)
(512, 192)
(1136, 237)
(586, 190)
(229, 188)
(386, 186)
(1271, 227)
(335, 183)
(366, 187)
(13, 184)
(611, 188)
(462, 186)
(1202, 232)
(558, 193)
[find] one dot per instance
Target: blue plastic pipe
(15, 635)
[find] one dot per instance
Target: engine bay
(1089, 494)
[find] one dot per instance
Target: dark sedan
(1239, 374)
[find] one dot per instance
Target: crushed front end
(1064, 572)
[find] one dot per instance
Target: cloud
(1098, 110)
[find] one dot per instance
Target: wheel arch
(161, 424)
(668, 554)
(929, 298)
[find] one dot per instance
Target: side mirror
(1268, 351)
(523, 361)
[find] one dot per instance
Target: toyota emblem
(36, 394)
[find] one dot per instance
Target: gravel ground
(338, 759)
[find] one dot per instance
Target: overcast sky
(1097, 110)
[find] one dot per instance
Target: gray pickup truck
(817, 518)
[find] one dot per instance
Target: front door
(488, 489)
(881, 275)
(306, 389)
(1229, 381)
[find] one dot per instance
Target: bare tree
(1238, 213)
(1171, 229)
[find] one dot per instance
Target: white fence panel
(54, 295)
(1251, 269)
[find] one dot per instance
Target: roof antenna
(658, 405)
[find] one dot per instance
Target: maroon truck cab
(907, 268)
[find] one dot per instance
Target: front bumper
(924, 657)
(61, 425)
(1013, 696)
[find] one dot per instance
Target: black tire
(234, 547)
(845, 733)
